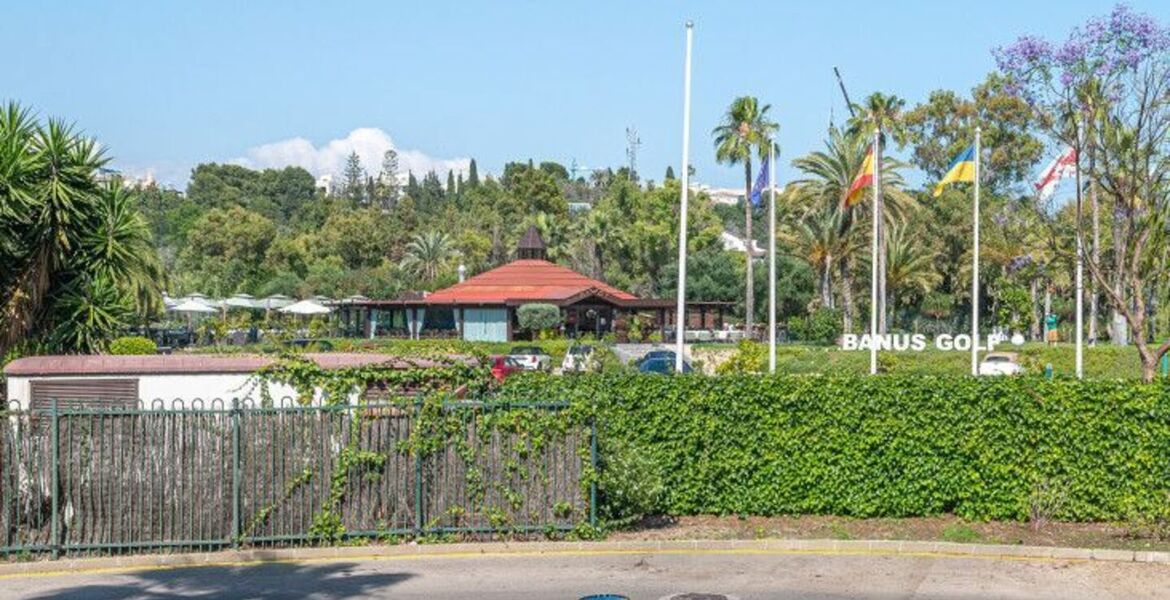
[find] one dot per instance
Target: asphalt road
(635, 575)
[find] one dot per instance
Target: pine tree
(371, 190)
(472, 175)
(669, 174)
(412, 188)
(354, 177)
(388, 178)
(451, 189)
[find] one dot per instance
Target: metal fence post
(418, 491)
(593, 462)
(235, 417)
(55, 452)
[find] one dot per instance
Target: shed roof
(527, 280)
(188, 364)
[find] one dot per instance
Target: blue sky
(166, 85)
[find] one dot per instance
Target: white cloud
(370, 143)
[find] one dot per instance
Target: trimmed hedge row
(991, 448)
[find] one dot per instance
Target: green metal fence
(202, 476)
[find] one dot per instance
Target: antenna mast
(632, 143)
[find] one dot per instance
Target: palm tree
(428, 254)
(745, 130)
(555, 233)
(78, 257)
(881, 112)
(910, 266)
(828, 176)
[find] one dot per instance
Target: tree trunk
(847, 308)
(1036, 317)
(1047, 307)
(1118, 284)
(827, 283)
(749, 296)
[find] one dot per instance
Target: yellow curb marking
(537, 553)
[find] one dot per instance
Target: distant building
(144, 181)
(579, 207)
(726, 196)
(325, 183)
(735, 243)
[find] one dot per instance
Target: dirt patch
(944, 529)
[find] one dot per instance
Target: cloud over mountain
(370, 143)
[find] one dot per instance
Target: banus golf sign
(911, 342)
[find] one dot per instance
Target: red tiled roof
(524, 281)
(193, 363)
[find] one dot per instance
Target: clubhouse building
(483, 307)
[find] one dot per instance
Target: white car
(1000, 363)
(530, 358)
(578, 359)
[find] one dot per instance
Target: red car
(503, 366)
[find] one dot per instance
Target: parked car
(655, 354)
(1000, 363)
(579, 358)
(531, 358)
(662, 366)
(503, 367)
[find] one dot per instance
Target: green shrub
(538, 317)
(133, 345)
(892, 445)
(823, 326)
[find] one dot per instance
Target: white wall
(185, 387)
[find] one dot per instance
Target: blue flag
(761, 182)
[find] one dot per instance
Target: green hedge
(898, 446)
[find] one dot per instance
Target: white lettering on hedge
(909, 342)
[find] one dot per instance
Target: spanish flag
(863, 180)
(961, 169)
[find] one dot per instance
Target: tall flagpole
(680, 326)
(873, 295)
(1080, 283)
(772, 257)
(975, 267)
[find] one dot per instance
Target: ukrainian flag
(961, 169)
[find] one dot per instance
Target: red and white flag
(1061, 167)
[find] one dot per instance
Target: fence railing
(208, 476)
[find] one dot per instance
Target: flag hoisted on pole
(772, 257)
(872, 168)
(680, 326)
(1061, 167)
(975, 267)
(965, 167)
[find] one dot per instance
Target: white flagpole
(680, 326)
(772, 258)
(1080, 283)
(975, 267)
(873, 295)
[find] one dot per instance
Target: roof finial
(531, 245)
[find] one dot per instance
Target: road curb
(470, 550)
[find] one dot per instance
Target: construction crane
(841, 83)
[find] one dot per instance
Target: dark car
(655, 354)
(662, 366)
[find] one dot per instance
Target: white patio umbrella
(275, 301)
(306, 307)
(241, 301)
(191, 306)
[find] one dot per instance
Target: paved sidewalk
(764, 569)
